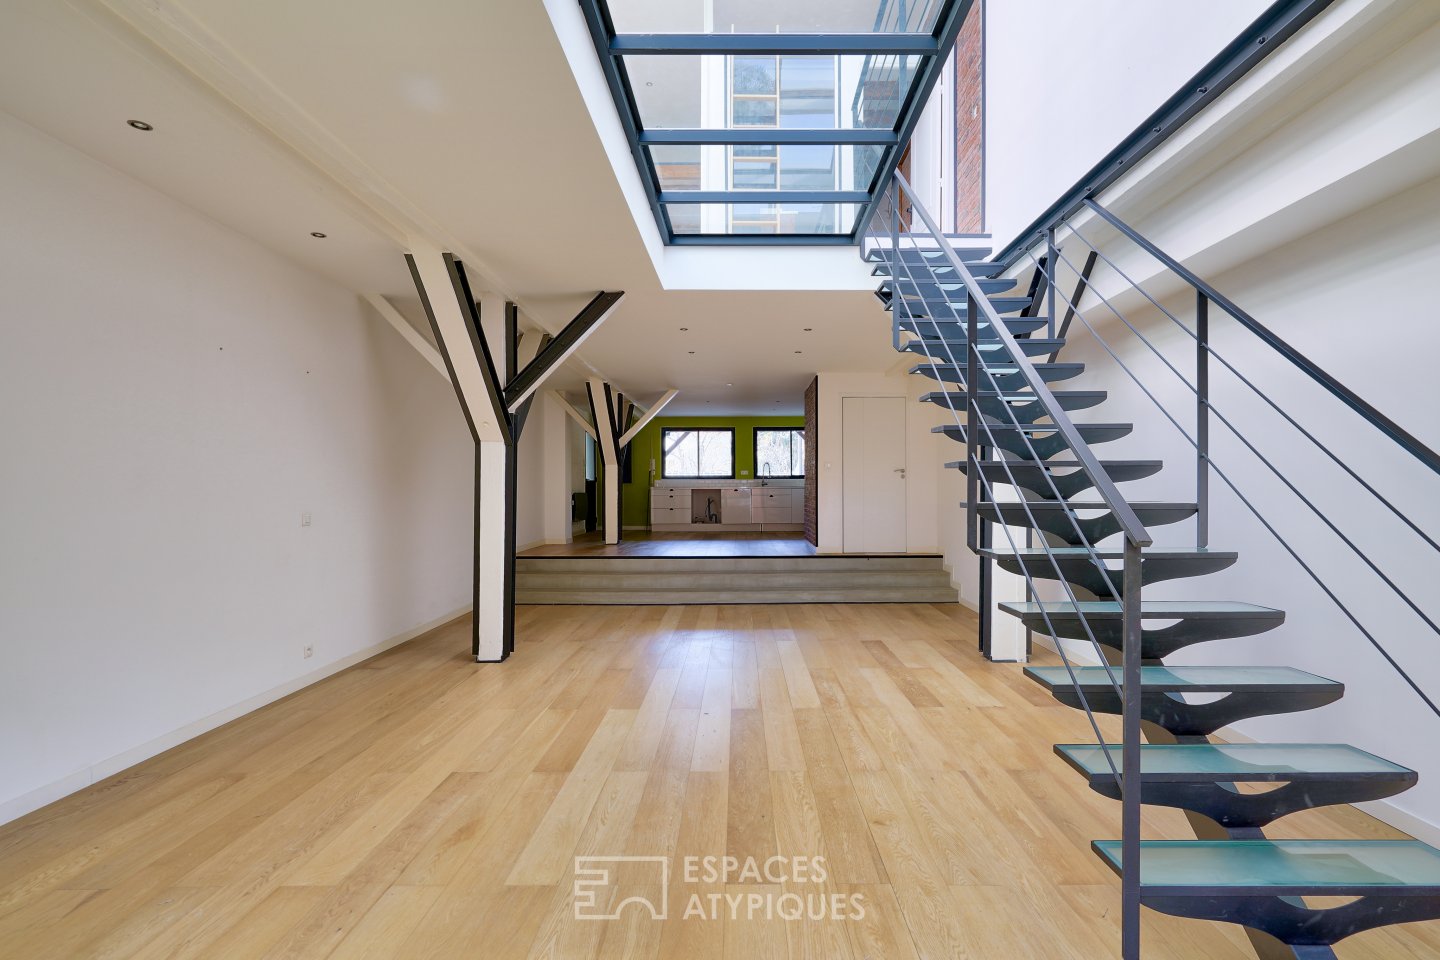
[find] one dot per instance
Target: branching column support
(615, 426)
(495, 399)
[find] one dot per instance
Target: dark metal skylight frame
(930, 50)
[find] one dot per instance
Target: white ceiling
(376, 121)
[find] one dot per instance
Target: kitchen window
(780, 452)
(695, 453)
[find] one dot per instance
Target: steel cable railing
(1207, 408)
(1033, 589)
(1135, 536)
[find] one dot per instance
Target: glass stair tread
(1067, 553)
(1080, 505)
(960, 396)
(951, 428)
(1282, 868)
(914, 255)
(1127, 466)
(1155, 609)
(925, 329)
(1187, 679)
(1238, 762)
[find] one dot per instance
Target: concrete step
(680, 597)
(700, 580)
(886, 563)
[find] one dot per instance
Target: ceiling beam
(574, 414)
(650, 414)
(411, 335)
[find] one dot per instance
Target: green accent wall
(635, 497)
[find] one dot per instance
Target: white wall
(1310, 198)
(1065, 82)
(172, 398)
(922, 456)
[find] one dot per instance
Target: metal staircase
(1042, 506)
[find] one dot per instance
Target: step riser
(700, 582)
(652, 598)
(750, 565)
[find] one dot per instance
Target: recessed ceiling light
(140, 125)
(797, 351)
(692, 353)
(808, 329)
(729, 384)
(317, 234)
(683, 329)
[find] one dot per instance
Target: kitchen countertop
(731, 484)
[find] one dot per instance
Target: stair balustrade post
(1050, 257)
(1130, 757)
(1202, 420)
(972, 418)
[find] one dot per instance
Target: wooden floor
(422, 806)
(646, 544)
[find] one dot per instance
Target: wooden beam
(412, 336)
(575, 415)
(650, 414)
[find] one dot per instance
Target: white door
(873, 476)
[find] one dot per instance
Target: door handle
(901, 471)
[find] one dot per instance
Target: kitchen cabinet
(735, 505)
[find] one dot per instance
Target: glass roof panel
(807, 100)
(775, 16)
(723, 92)
(759, 219)
(765, 166)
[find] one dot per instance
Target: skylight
(769, 121)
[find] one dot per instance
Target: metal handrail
(1136, 537)
(1344, 394)
(1130, 524)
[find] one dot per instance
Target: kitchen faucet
(764, 474)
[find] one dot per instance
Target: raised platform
(640, 579)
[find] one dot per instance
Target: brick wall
(812, 463)
(970, 124)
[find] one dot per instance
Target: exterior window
(780, 452)
(697, 453)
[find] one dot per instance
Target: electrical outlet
(308, 651)
(305, 519)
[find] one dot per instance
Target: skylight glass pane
(765, 166)
(678, 167)
(762, 218)
(715, 91)
(775, 16)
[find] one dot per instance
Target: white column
(493, 608)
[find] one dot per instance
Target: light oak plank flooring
(422, 806)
